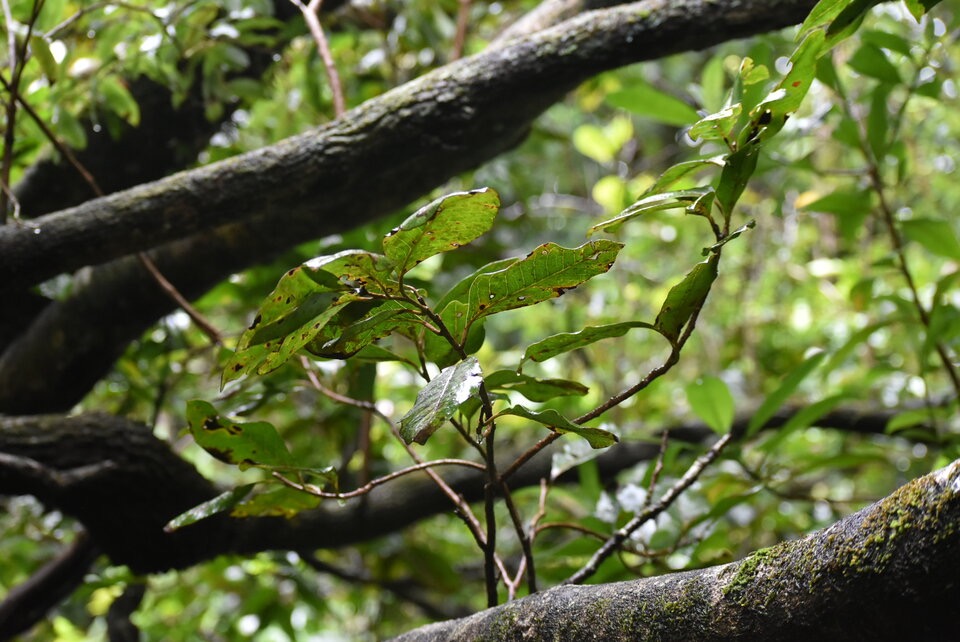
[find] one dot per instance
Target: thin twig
(657, 467)
(651, 512)
(880, 188)
(379, 481)
(463, 22)
(311, 17)
(18, 61)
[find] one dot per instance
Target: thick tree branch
(887, 572)
(461, 107)
(123, 485)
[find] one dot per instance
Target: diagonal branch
(377, 158)
(461, 107)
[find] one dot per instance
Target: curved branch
(123, 484)
(28, 603)
(446, 119)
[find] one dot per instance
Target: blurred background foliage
(818, 272)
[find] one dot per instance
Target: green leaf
(338, 289)
(118, 99)
(848, 20)
(443, 225)
(909, 419)
(603, 144)
(935, 235)
(683, 171)
(734, 178)
(547, 272)
(803, 418)
(870, 60)
(645, 100)
(281, 340)
(534, 389)
(280, 501)
(850, 206)
(439, 400)
(776, 399)
(770, 114)
(919, 7)
(711, 401)
(685, 298)
(653, 203)
(69, 128)
(567, 341)
(357, 269)
(41, 51)
(221, 503)
(822, 14)
(254, 443)
(596, 437)
(712, 84)
(382, 321)
(718, 126)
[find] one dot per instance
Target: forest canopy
(358, 319)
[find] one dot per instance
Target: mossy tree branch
(887, 572)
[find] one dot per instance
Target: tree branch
(28, 603)
(123, 484)
(307, 178)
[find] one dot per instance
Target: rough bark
(449, 116)
(377, 158)
(887, 572)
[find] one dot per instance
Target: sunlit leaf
(41, 51)
(445, 224)
(567, 341)
(685, 298)
(596, 437)
(243, 444)
(711, 401)
(547, 272)
(118, 99)
(771, 113)
(439, 400)
(717, 126)
(919, 7)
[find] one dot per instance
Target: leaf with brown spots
(443, 225)
(248, 444)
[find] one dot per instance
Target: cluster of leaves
(831, 281)
(339, 306)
